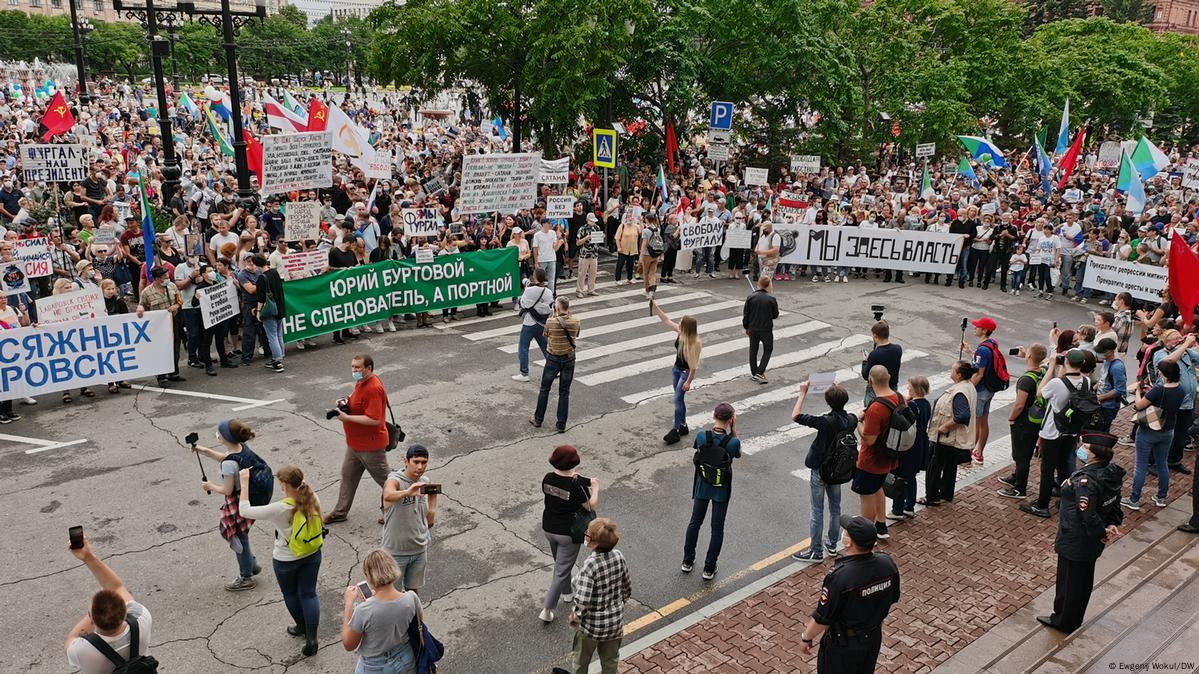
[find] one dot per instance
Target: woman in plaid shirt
(601, 589)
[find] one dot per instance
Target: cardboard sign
(757, 176)
(499, 182)
(72, 306)
(1190, 174)
(1109, 155)
(424, 255)
(925, 150)
(54, 163)
(376, 166)
(302, 221)
(805, 163)
(908, 250)
(34, 254)
(303, 265)
(597, 237)
(13, 279)
(702, 234)
(555, 171)
(738, 237)
(421, 221)
(106, 235)
(296, 161)
(434, 186)
(218, 303)
(54, 358)
(559, 207)
(1144, 282)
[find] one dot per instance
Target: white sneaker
(520, 377)
(391, 327)
(28, 401)
(546, 615)
(568, 598)
(300, 345)
(309, 342)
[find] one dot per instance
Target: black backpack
(1082, 410)
(262, 482)
(840, 457)
(712, 461)
(136, 664)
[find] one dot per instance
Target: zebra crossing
(622, 348)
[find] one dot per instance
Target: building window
(56, 4)
(14, 3)
(98, 6)
(35, 3)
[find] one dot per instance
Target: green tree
(1047, 11)
(198, 50)
(1128, 11)
(1177, 114)
(118, 48)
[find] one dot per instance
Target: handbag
(582, 519)
(270, 310)
(395, 434)
(426, 650)
(894, 486)
(1151, 418)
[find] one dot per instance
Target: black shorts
(867, 483)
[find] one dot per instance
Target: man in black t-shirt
(341, 257)
(884, 353)
(968, 228)
(1023, 427)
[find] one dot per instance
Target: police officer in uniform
(854, 601)
(1090, 512)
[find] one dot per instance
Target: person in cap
(990, 376)
(1057, 447)
(86, 274)
(162, 295)
(1115, 381)
(566, 493)
(1090, 515)
(409, 511)
(855, 598)
(715, 450)
(588, 252)
(561, 331)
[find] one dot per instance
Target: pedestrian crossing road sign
(603, 148)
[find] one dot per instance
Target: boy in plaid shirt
(601, 589)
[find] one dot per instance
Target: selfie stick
(962, 344)
(200, 463)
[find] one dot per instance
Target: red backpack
(996, 378)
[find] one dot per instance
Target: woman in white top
(296, 574)
(377, 625)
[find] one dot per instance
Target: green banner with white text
(359, 295)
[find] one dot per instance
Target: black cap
(1097, 439)
(158, 271)
(861, 531)
(415, 451)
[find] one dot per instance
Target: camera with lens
(343, 405)
(878, 310)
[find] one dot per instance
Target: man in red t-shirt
(873, 462)
(366, 435)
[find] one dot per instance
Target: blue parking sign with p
(722, 115)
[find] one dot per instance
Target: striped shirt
(556, 329)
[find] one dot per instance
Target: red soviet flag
(1184, 278)
(318, 114)
(672, 145)
(1070, 159)
(58, 118)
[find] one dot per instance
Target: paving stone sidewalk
(964, 567)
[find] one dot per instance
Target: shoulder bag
(583, 518)
(395, 434)
(426, 649)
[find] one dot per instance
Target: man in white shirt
(110, 620)
(222, 237)
(545, 252)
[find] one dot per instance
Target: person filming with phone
(116, 629)
(363, 416)
(376, 616)
(409, 510)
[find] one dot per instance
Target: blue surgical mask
(1082, 455)
(356, 376)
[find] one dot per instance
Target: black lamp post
(172, 27)
(230, 22)
(151, 16)
(345, 34)
(79, 27)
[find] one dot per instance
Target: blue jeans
(1067, 272)
(699, 508)
(551, 273)
(245, 558)
(529, 333)
(399, 660)
(678, 377)
(194, 324)
(833, 492)
(249, 333)
(556, 366)
(274, 337)
(1080, 272)
(297, 582)
(1151, 445)
(1018, 278)
(705, 257)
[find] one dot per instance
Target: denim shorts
(867, 483)
(412, 570)
(983, 407)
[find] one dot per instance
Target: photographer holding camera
(114, 621)
(410, 508)
(884, 353)
(363, 417)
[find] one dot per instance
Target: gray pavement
(134, 486)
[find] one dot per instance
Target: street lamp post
(172, 28)
(345, 34)
(79, 27)
(150, 16)
(230, 22)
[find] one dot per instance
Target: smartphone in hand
(430, 488)
(76, 536)
(364, 589)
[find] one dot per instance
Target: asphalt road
(133, 486)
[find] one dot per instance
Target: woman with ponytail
(297, 553)
(686, 361)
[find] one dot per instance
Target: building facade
(1177, 16)
(338, 9)
(101, 10)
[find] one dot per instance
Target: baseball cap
(516, 230)
(415, 451)
(860, 531)
(984, 322)
(724, 412)
(1076, 357)
(158, 272)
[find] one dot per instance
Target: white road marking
(41, 445)
(514, 327)
(246, 403)
(659, 336)
(709, 350)
(507, 312)
(589, 331)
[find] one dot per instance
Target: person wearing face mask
(363, 417)
(1090, 515)
(856, 596)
